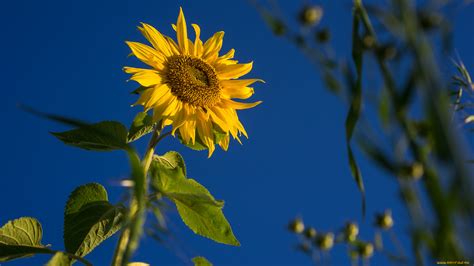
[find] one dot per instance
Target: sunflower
(190, 86)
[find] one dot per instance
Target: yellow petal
(133, 70)
(213, 45)
(238, 83)
(150, 97)
(173, 46)
(229, 117)
(233, 71)
(197, 42)
(179, 119)
(224, 142)
(182, 32)
(226, 103)
(219, 120)
(238, 92)
(230, 54)
(147, 77)
(164, 107)
(147, 55)
(204, 128)
(226, 59)
(188, 130)
(156, 39)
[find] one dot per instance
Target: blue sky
(66, 57)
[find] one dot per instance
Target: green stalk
(432, 184)
(130, 236)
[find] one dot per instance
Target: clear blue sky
(66, 57)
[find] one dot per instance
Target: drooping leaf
(142, 125)
(59, 259)
(201, 261)
(197, 207)
(89, 219)
(21, 238)
(102, 136)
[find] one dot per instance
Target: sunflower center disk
(193, 81)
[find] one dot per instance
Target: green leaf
(89, 219)
(196, 206)
(356, 103)
(142, 125)
(201, 261)
(103, 136)
(59, 259)
(21, 238)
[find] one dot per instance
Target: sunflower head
(191, 87)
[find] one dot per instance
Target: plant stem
(423, 56)
(130, 236)
(70, 255)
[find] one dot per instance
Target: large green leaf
(21, 238)
(89, 219)
(59, 259)
(201, 261)
(103, 136)
(142, 125)
(196, 206)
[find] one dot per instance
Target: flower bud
(310, 233)
(351, 230)
(325, 241)
(385, 220)
(311, 15)
(296, 226)
(412, 171)
(366, 250)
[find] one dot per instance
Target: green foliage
(59, 259)
(103, 136)
(196, 206)
(201, 261)
(21, 238)
(355, 107)
(141, 125)
(89, 219)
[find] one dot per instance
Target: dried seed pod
(325, 241)
(366, 250)
(385, 220)
(351, 230)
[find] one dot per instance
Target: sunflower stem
(128, 241)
